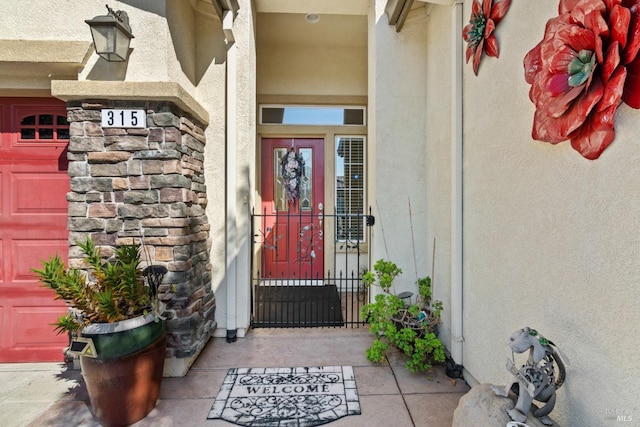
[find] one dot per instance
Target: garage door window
(44, 127)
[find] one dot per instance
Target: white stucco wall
(551, 240)
(397, 140)
(211, 93)
(48, 20)
(164, 47)
(298, 58)
(230, 158)
(438, 158)
(245, 113)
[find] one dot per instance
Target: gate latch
(371, 220)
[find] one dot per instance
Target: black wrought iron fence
(307, 268)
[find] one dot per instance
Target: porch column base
(223, 333)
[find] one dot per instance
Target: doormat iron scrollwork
(273, 397)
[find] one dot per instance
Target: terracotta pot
(124, 388)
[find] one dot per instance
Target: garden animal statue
(536, 380)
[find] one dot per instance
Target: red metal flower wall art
(586, 65)
(479, 32)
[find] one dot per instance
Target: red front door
(33, 213)
(293, 203)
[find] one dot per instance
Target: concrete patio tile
(180, 413)
(434, 381)
(19, 414)
(20, 379)
(36, 387)
(433, 409)
(375, 380)
(31, 367)
(12, 382)
(303, 347)
(378, 411)
(197, 384)
(79, 389)
(67, 413)
(30, 389)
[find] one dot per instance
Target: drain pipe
(231, 244)
(456, 185)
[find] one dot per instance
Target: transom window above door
(312, 115)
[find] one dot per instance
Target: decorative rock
(75, 115)
(76, 169)
(135, 197)
(108, 156)
(165, 120)
(112, 170)
(480, 407)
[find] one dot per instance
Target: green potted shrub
(116, 328)
(412, 328)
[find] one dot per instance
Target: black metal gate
(295, 295)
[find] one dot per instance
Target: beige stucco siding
(550, 239)
(438, 158)
(211, 91)
(171, 39)
(245, 121)
(398, 141)
(48, 20)
(298, 58)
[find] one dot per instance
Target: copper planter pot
(124, 389)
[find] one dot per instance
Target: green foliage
(114, 291)
(425, 292)
(421, 351)
(424, 289)
(394, 325)
(385, 272)
(437, 308)
(424, 349)
(376, 352)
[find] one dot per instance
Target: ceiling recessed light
(312, 18)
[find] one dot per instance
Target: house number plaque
(119, 118)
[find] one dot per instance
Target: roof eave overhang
(398, 10)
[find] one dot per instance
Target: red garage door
(33, 212)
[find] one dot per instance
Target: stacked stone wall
(147, 185)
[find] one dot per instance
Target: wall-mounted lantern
(111, 35)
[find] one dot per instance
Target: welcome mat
(279, 397)
(287, 306)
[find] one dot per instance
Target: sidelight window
(350, 188)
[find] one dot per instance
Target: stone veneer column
(128, 183)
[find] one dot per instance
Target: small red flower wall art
(479, 32)
(586, 65)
